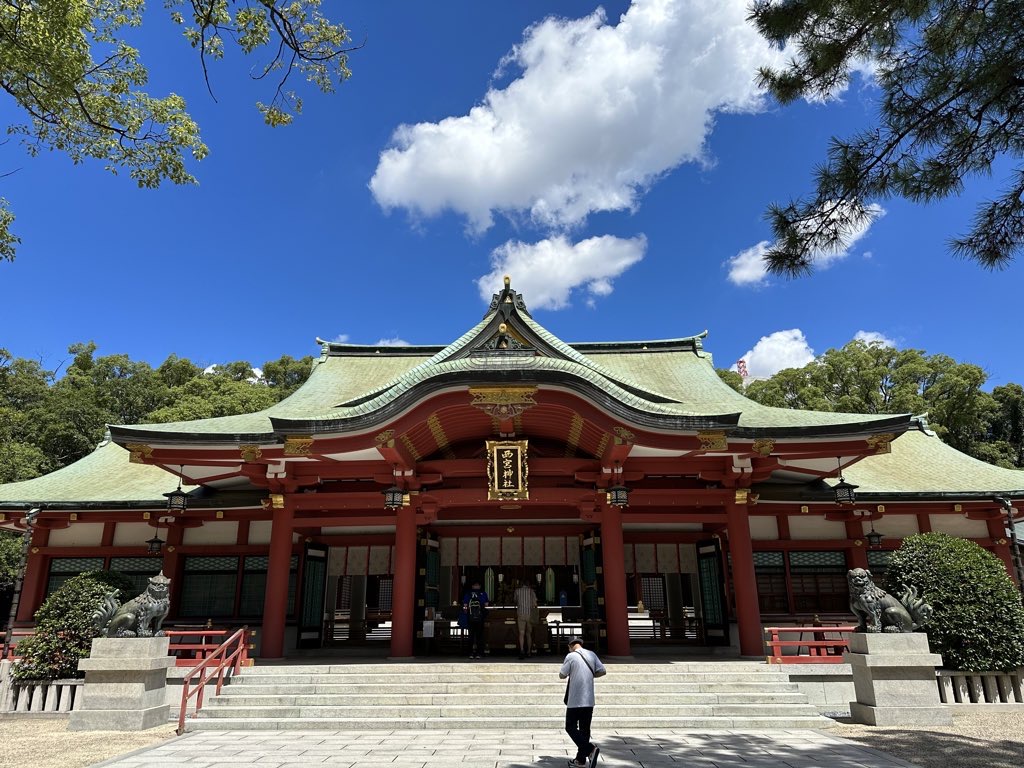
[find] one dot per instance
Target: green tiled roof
(691, 379)
(105, 475)
(922, 464)
(334, 380)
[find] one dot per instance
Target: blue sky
(616, 163)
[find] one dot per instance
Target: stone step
(499, 677)
(243, 698)
(601, 723)
(469, 688)
(503, 666)
(499, 712)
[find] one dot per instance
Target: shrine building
(644, 499)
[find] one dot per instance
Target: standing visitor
(581, 667)
(474, 603)
(526, 618)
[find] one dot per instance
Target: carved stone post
(894, 679)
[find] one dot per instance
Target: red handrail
(820, 649)
(236, 659)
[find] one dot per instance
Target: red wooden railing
(16, 636)
(824, 645)
(187, 646)
(233, 653)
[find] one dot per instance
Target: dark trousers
(476, 638)
(577, 725)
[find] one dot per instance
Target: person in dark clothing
(474, 605)
(581, 667)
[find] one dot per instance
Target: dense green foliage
(978, 624)
(10, 558)
(951, 105)
(874, 378)
(47, 422)
(69, 68)
(64, 627)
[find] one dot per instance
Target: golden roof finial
(508, 281)
(502, 328)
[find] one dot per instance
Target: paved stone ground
(507, 749)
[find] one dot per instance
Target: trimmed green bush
(64, 628)
(978, 624)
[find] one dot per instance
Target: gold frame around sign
(522, 491)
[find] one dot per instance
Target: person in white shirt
(526, 618)
(581, 667)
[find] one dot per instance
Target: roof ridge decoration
(508, 331)
(504, 301)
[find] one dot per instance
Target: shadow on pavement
(934, 749)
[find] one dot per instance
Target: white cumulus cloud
(547, 272)
(777, 351)
(392, 342)
(597, 113)
(874, 337)
(748, 267)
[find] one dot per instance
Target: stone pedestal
(125, 681)
(894, 680)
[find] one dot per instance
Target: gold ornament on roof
(385, 436)
(137, 452)
(503, 403)
(298, 445)
(764, 446)
(881, 443)
(625, 434)
(250, 452)
(712, 441)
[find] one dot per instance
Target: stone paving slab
(506, 749)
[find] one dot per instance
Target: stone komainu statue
(878, 611)
(142, 616)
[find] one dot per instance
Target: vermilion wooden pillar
(614, 564)
(35, 577)
(172, 562)
(748, 614)
(403, 596)
(858, 555)
(275, 602)
(997, 530)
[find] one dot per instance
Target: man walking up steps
(581, 667)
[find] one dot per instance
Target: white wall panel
(958, 525)
(803, 527)
(78, 535)
(136, 534)
(764, 528)
(224, 532)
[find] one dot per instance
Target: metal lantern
(844, 491)
(156, 545)
(393, 497)
(618, 496)
(177, 500)
(874, 537)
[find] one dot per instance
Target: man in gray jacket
(581, 667)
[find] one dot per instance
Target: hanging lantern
(156, 545)
(393, 497)
(874, 537)
(618, 496)
(845, 493)
(177, 500)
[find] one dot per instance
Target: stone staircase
(505, 695)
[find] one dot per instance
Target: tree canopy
(80, 85)
(952, 104)
(48, 420)
(870, 377)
